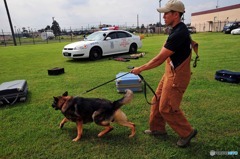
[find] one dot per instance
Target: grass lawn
(30, 129)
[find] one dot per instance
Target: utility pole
(160, 24)
(10, 22)
(217, 5)
(138, 23)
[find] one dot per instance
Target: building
(215, 19)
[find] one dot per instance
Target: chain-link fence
(6, 38)
(35, 37)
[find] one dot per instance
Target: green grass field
(30, 129)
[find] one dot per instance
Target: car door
(110, 44)
(124, 41)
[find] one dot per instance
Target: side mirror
(108, 38)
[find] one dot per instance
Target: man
(177, 54)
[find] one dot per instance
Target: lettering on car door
(124, 41)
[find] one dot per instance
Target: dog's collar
(65, 106)
(61, 106)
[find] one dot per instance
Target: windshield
(228, 24)
(95, 36)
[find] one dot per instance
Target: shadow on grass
(142, 144)
(103, 59)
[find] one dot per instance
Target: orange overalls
(170, 92)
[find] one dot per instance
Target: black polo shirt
(179, 42)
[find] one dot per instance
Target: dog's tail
(124, 100)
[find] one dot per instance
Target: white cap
(172, 5)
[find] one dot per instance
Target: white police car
(103, 43)
(236, 31)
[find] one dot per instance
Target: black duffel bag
(227, 76)
(13, 91)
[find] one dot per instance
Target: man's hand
(136, 70)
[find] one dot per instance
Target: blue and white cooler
(128, 81)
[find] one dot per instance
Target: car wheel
(133, 48)
(227, 32)
(95, 54)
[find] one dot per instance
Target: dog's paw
(132, 135)
(107, 130)
(133, 132)
(76, 139)
(61, 125)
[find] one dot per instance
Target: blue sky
(76, 14)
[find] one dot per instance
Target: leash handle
(195, 61)
(145, 90)
(194, 45)
(105, 83)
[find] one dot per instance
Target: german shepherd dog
(101, 111)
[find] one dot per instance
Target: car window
(123, 35)
(112, 35)
(228, 24)
(95, 36)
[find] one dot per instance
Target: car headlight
(83, 47)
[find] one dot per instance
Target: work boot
(183, 142)
(155, 132)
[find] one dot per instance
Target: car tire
(95, 54)
(227, 32)
(133, 48)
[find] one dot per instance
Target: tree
(56, 28)
(142, 28)
(47, 28)
(25, 32)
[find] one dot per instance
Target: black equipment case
(227, 76)
(56, 71)
(13, 91)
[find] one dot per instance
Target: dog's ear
(65, 94)
(55, 98)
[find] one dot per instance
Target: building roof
(217, 10)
